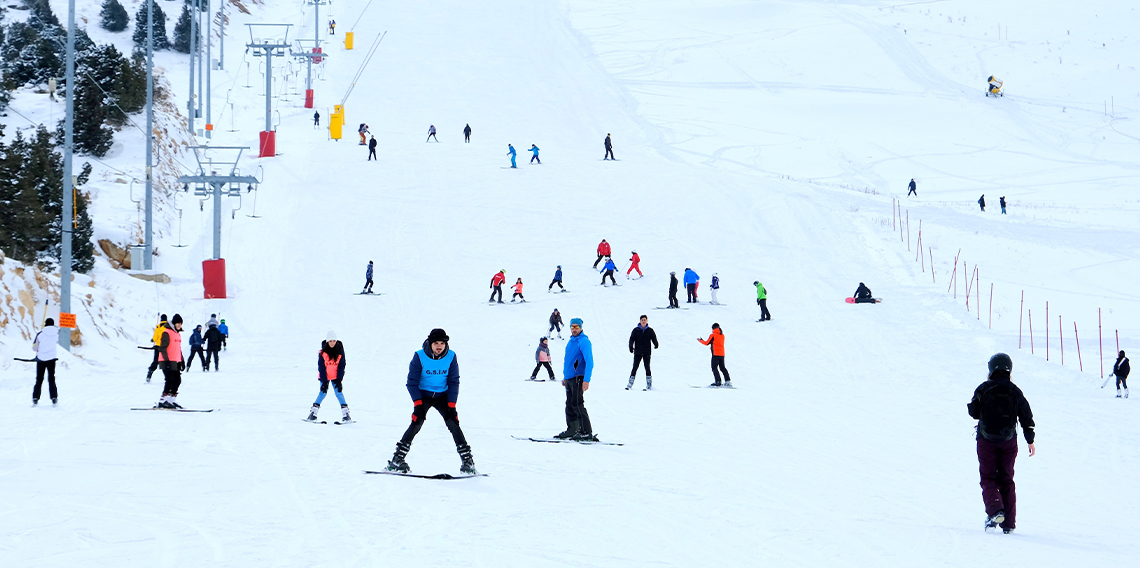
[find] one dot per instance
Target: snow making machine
(994, 87)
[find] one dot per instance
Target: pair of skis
(469, 476)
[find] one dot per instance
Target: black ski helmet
(1001, 362)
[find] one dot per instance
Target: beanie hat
(331, 336)
(177, 319)
(438, 334)
(50, 322)
(162, 317)
(756, 283)
(223, 321)
(576, 321)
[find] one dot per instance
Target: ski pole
(1101, 385)
(24, 360)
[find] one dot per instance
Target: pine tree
(182, 32)
(113, 17)
(23, 223)
(43, 167)
(159, 21)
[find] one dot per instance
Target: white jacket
(46, 341)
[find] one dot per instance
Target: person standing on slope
(913, 189)
(1001, 201)
(155, 339)
(576, 371)
(555, 323)
(213, 320)
(316, 118)
(716, 343)
(170, 360)
(467, 134)
(497, 285)
(534, 154)
(431, 134)
(863, 295)
(714, 286)
(673, 303)
(330, 369)
(634, 264)
(367, 279)
(608, 270)
(609, 149)
(982, 202)
(44, 344)
(998, 405)
(542, 359)
(362, 131)
(1121, 370)
(213, 339)
(557, 280)
(511, 152)
(196, 348)
(433, 382)
(603, 252)
(518, 288)
(639, 344)
(225, 329)
(691, 280)
(762, 300)
(372, 150)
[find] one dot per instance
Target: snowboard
(436, 476)
(174, 409)
(850, 300)
(560, 441)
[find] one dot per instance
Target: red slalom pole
(932, 265)
(908, 230)
(1031, 352)
(1078, 336)
(1020, 319)
(978, 293)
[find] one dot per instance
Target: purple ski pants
(995, 463)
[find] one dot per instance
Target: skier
(213, 320)
(372, 149)
(998, 405)
(497, 285)
(534, 154)
(170, 359)
(982, 202)
(762, 300)
(639, 340)
(555, 323)
(603, 251)
(1001, 201)
(542, 359)
(862, 295)
(714, 286)
(577, 368)
(1121, 370)
(213, 339)
(363, 130)
(609, 149)
(512, 154)
(225, 330)
(634, 264)
(44, 344)
(691, 279)
(557, 280)
(155, 339)
(330, 369)
(196, 343)
(431, 134)
(518, 288)
(316, 118)
(332, 27)
(467, 133)
(608, 270)
(367, 279)
(716, 343)
(673, 303)
(433, 382)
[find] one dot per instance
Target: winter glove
(757, 301)
(181, 366)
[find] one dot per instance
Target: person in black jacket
(467, 133)
(673, 303)
(330, 369)
(372, 150)
(1121, 370)
(863, 295)
(982, 202)
(998, 405)
(213, 339)
(1001, 201)
(609, 149)
(639, 341)
(555, 324)
(913, 188)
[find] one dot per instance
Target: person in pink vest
(170, 361)
(330, 369)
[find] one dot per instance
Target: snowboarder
(862, 295)
(913, 189)
(330, 369)
(1121, 370)
(714, 286)
(557, 280)
(433, 382)
(608, 270)
(639, 340)
(367, 279)
(155, 339)
(577, 369)
(982, 202)
(497, 285)
(467, 133)
(363, 130)
(225, 329)
(316, 118)
(518, 288)
(542, 359)
(716, 343)
(691, 279)
(534, 154)
(609, 149)
(431, 134)
(762, 300)
(511, 152)
(213, 339)
(555, 323)
(170, 359)
(196, 343)
(673, 303)
(44, 344)
(372, 149)
(634, 264)
(998, 405)
(1001, 201)
(603, 252)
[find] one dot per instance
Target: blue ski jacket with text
(428, 373)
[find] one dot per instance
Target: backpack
(999, 412)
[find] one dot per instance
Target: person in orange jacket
(634, 261)
(716, 341)
(497, 285)
(518, 291)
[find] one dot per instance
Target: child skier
(225, 329)
(555, 323)
(518, 286)
(541, 359)
(608, 270)
(196, 348)
(714, 287)
(330, 369)
(557, 280)
(534, 155)
(431, 134)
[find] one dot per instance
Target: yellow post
(336, 122)
(348, 40)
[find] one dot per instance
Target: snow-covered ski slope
(757, 140)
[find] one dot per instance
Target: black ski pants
(1119, 381)
(371, 155)
(43, 367)
(212, 354)
(554, 326)
(609, 273)
(609, 154)
(691, 290)
(553, 282)
(173, 380)
(540, 365)
(600, 257)
(673, 302)
(201, 357)
(497, 290)
(718, 368)
(764, 315)
(367, 286)
(995, 464)
(153, 365)
(430, 136)
(576, 405)
(467, 137)
(637, 359)
(439, 402)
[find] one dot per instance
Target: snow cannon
(994, 87)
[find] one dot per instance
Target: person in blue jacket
(196, 343)
(608, 270)
(225, 329)
(367, 279)
(433, 382)
(691, 279)
(576, 372)
(557, 280)
(534, 155)
(512, 154)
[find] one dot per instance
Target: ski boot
(994, 521)
(468, 466)
(1117, 393)
(584, 437)
(1007, 531)
(345, 418)
(571, 431)
(313, 413)
(715, 385)
(397, 463)
(35, 402)
(1125, 393)
(648, 383)
(55, 402)
(630, 385)
(728, 385)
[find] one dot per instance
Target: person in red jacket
(497, 285)
(603, 251)
(634, 261)
(716, 342)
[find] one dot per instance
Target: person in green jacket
(762, 301)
